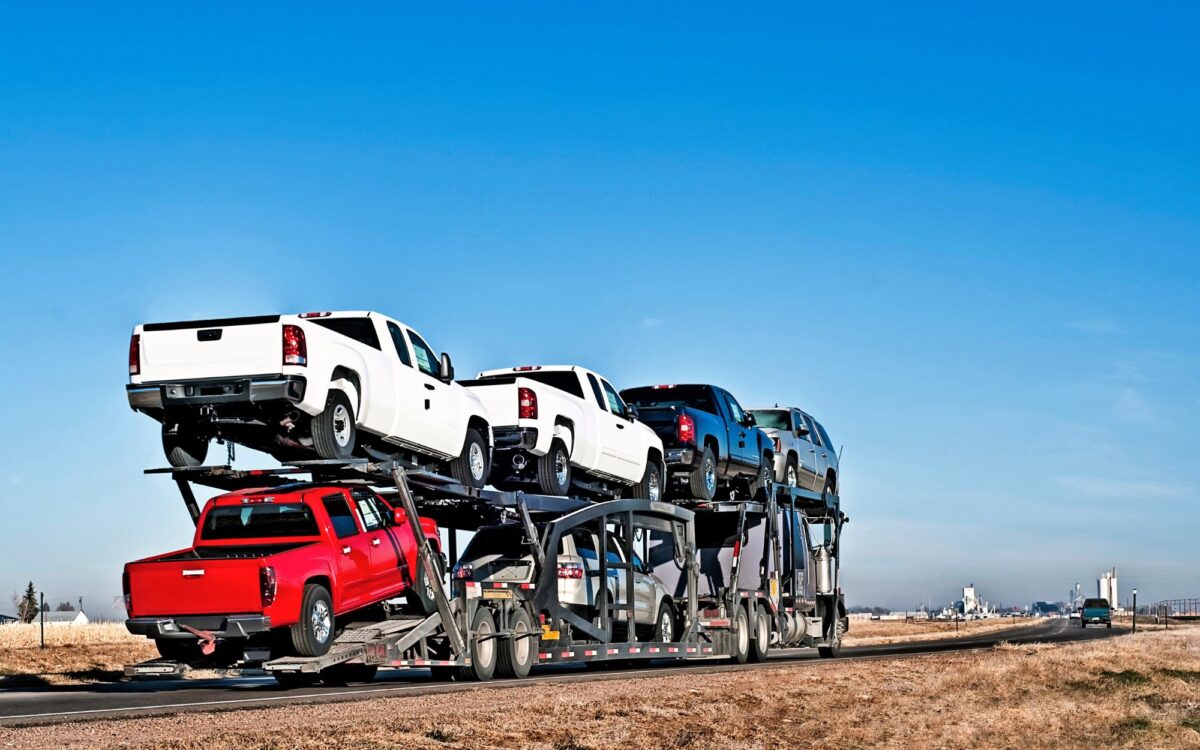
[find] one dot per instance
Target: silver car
(804, 454)
(499, 554)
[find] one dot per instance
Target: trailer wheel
(834, 649)
(703, 479)
(741, 636)
(516, 653)
(313, 634)
(483, 647)
(183, 447)
(340, 675)
(472, 467)
(762, 636)
(554, 470)
(333, 430)
(419, 599)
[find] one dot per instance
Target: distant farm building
(63, 618)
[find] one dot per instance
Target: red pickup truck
(276, 567)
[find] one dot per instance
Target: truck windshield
(771, 419)
(692, 396)
(259, 521)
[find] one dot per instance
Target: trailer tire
(313, 634)
(483, 648)
(651, 486)
(740, 636)
(762, 636)
(419, 599)
(516, 653)
(341, 675)
(182, 447)
(472, 466)
(703, 480)
(834, 649)
(333, 430)
(554, 470)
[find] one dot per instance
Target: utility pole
(1135, 610)
(42, 615)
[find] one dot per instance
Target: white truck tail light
(526, 404)
(570, 570)
(295, 348)
(135, 354)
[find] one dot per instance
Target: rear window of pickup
(679, 396)
(259, 521)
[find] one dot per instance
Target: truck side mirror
(631, 412)
(801, 431)
(445, 369)
(748, 420)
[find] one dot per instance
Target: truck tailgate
(211, 348)
(195, 587)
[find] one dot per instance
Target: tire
(834, 649)
(483, 650)
(554, 470)
(664, 624)
(703, 480)
(651, 486)
(740, 636)
(175, 649)
(1110, 626)
(766, 472)
(333, 430)
(340, 675)
(829, 488)
(472, 466)
(290, 680)
(762, 636)
(419, 599)
(183, 447)
(313, 634)
(517, 653)
(791, 473)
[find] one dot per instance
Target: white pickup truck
(333, 383)
(559, 427)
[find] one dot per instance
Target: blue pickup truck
(1095, 612)
(712, 444)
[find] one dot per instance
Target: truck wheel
(554, 470)
(741, 636)
(471, 467)
(829, 488)
(703, 480)
(516, 653)
(175, 649)
(482, 647)
(834, 649)
(762, 636)
(183, 447)
(791, 473)
(340, 675)
(419, 599)
(333, 430)
(766, 472)
(664, 626)
(313, 634)
(650, 488)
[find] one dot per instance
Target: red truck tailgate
(195, 587)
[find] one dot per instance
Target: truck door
(821, 453)
(743, 449)
(410, 420)
(609, 430)
(806, 452)
(441, 420)
(387, 560)
(626, 447)
(351, 556)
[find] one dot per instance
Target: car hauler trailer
(745, 576)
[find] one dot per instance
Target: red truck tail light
(526, 403)
(268, 585)
(686, 429)
(128, 595)
(570, 570)
(295, 348)
(315, 315)
(464, 572)
(135, 354)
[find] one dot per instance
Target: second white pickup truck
(564, 427)
(334, 384)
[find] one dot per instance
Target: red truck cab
(277, 567)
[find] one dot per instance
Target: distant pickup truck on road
(711, 443)
(275, 569)
(1095, 612)
(564, 427)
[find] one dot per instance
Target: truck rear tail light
(135, 354)
(778, 445)
(128, 594)
(686, 429)
(268, 584)
(570, 570)
(463, 573)
(295, 348)
(661, 387)
(526, 403)
(315, 315)
(527, 368)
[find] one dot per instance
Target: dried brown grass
(871, 632)
(1139, 691)
(73, 653)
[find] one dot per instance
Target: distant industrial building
(1106, 587)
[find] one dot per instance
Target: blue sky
(965, 239)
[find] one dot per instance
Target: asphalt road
(51, 705)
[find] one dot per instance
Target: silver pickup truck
(804, 454)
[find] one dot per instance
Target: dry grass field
(73, 653)
(1138, 691)
(871, 632)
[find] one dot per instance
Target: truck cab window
(427, 361)
(400, 344)
(615, 404)
(369, 512)
(735, 411)
(596, 391)
(340, 516)
(361, 330)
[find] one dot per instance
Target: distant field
(73, 653)
(870, 632)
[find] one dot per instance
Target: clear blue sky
(966, 240)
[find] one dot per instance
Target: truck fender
(344, 385)
(565, 434)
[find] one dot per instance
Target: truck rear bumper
(684, 457)
(514, 438)
(221, 626)
(216, 391)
